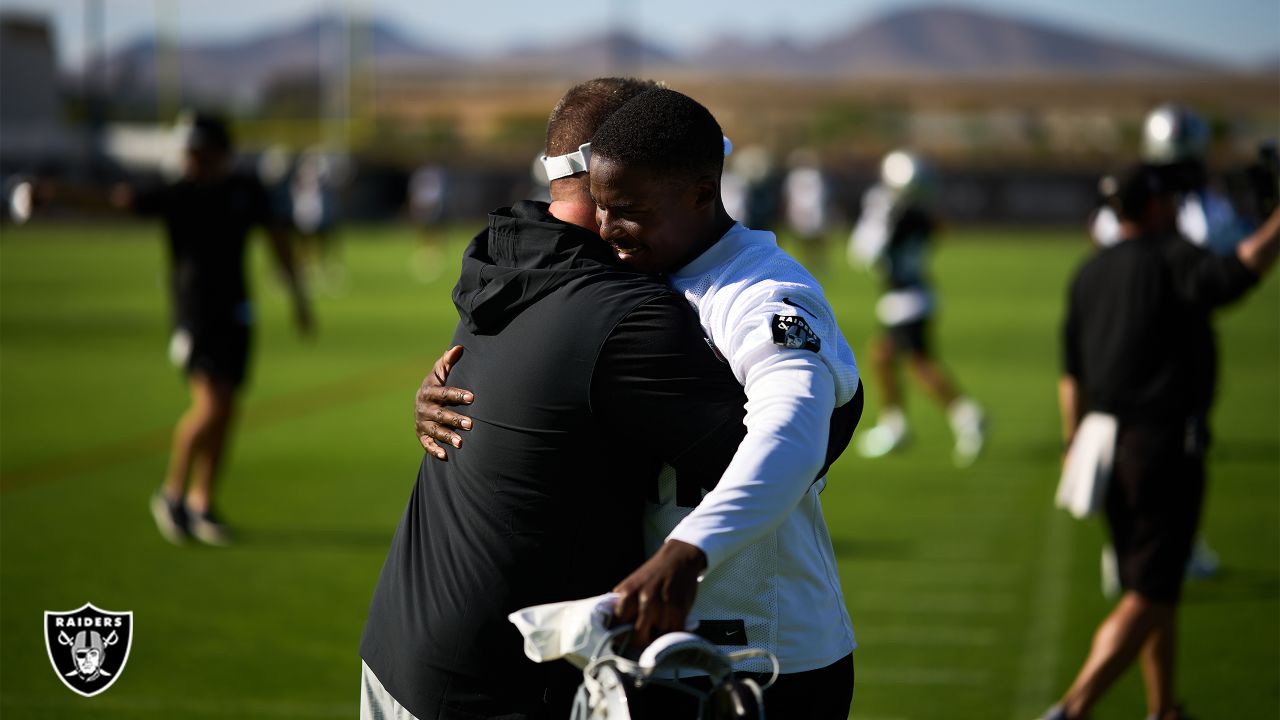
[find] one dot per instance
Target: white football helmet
(612, 683)
(1173, 133)
(907, 175)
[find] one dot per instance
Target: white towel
(571, 630)
(1082, 489)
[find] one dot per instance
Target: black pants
(822, 694)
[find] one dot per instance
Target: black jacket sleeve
(659, 382)
(1205, 280)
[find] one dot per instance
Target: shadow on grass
(1233, 585)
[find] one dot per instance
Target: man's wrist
(686, 554)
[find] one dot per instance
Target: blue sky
(1242, 31)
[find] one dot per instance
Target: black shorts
(1153, 505)
(911, 337)
(220, 352)
(536, 692)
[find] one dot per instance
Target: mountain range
(937, 41)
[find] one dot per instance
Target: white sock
(965, 416)
(893, 419)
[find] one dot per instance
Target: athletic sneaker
(208, 529)
(880, 441)
(969, 424)
(171, 518)
(888, 434)
(1204, 562)
(1054, 713)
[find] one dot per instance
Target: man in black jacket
(1139, 347)
(578, 359)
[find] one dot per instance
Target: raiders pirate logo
(88, 647)
(792, 332)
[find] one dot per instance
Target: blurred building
(33, 135)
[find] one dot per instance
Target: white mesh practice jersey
(771, 568)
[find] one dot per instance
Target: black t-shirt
(905, 258)
(208, 225)
(1137, 335)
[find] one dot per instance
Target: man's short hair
(206, 131)
(585, 107)
(663, 130)
(1140, 185)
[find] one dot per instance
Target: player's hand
(433, 419)
(658, 595)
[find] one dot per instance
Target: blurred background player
(807, 204)
(893, 235)
(208, 214)
(427, 188)
(749, 187)
(314, 205)
(1138, 346)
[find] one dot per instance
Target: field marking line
(1047, 618)
(263, 413)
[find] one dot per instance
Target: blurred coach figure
(1139, 348)
(208, 214)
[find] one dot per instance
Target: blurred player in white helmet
(806, 199)
(892, 235)
(1176, 139)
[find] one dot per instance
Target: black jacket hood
(522, 256)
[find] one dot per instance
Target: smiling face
(654, 223)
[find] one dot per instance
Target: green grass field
(971, 596)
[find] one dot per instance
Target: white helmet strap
(561, 166)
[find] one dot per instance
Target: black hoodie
(588, 378)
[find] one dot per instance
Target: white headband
(565, 165)
(575, 162)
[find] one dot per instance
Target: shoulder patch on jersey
(794, 333)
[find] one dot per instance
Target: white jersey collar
(732, 242)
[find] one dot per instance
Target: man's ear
(706, 191)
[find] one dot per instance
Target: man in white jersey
(758, 538)
(655, 169)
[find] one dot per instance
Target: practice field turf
(971, 596)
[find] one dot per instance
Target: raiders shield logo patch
(791, 331)
(88, 647)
